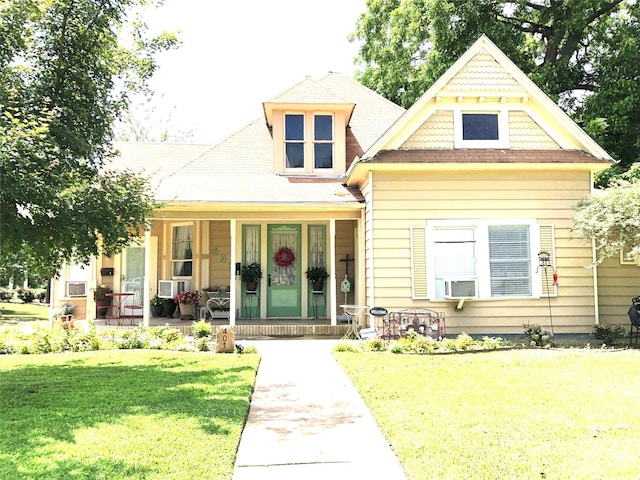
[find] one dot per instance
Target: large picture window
(182, 250)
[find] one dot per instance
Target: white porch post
(232, 273)
(333, 283)
(146, 286)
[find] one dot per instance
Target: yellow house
(462, 204)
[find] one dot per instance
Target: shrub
(202, 344)
(608, 334)
(6, 295)
(536, 336)
(346, 346)
(375, 344)
(202, 329)
(26, 295)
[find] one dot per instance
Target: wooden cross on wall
(347, 260)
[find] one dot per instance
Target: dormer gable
(308, 125)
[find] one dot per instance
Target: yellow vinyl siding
(435, 132)
(525, 133)
(404, 201)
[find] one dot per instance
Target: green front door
(283, 271)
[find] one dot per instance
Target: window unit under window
(479, 259)
(306, 152)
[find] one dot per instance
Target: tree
(583, 53)
(610, 216)
(64, 79)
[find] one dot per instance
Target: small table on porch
(217, 299)
(114, 311)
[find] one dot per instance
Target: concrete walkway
(308, 421)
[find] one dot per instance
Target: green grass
(21, 313)
(123, 415)
(521, 414)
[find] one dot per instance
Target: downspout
(596, 301)
(368, 254)
(594, 258)
(146, 283)
(232, 273)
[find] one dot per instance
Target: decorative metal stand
(544, 262)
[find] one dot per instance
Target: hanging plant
(285, 257)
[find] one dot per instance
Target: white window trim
(70, 277)
(624, 260)
(503, 128)
(481, 227)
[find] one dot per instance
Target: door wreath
(285, 257)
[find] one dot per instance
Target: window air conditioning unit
(170, 288)
(76, 289)
(460, 288)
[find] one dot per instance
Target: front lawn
(519, 414)
(114, 414)
(20, 313)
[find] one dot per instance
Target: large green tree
(583, 53)
(609, 217)
(67, 68)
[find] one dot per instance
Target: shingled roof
(239, 170)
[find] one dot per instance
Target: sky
(237, 54)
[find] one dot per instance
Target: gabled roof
(505, 80)
(239, 170)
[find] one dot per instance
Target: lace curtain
(284, 275)
(182, 251)
(316, 246)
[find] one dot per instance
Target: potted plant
(188, 301)
(102, 301)
(250, 275)
(65, 314)
(157, 306)
(317, 276)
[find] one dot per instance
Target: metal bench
(428, 323)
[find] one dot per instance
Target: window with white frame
(294, 140)
(480, 129)
(322, 141)
(182, 250)
(479, 259)
(315, 152)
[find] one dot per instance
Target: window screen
(480, 126)
(510, 261)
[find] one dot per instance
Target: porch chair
(135, 307)
(634, 316)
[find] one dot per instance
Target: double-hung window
(308, 152)
(182, 250)
(478, 259)
(294, 140)
(322, 141)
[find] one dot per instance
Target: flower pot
(187, 311)
(169, 307)
(101, 307)
(252, 286)
(157, 310)
(318, 285)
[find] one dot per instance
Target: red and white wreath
(285, 257)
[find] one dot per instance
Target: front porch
(246, 329)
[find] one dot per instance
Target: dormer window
(480, 129)
(323, 141)
(299, 150)
(294, 140)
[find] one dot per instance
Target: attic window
(481, 129)
(309, 151)
(480, 126)
(294, 140)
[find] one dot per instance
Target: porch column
(333, 281)
(232, 273)
(146, 284)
